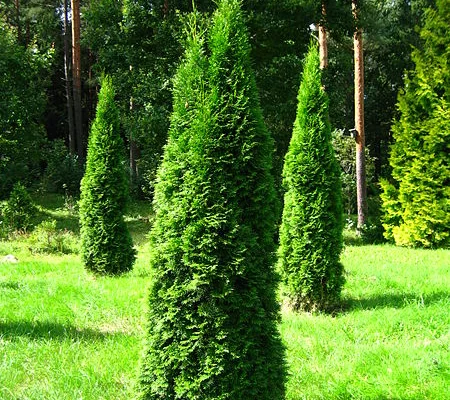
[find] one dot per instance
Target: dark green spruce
(107, 248)
(312, 223)
(213, 313)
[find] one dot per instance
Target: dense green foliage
(390, 29)
(280, 32)
(22, 103)
(112, 33)
(312, 222)
(107, 247)
(18, 211)
(279, 35)
(417, 201)
(213, 312)
(64, 171)
(143, 74)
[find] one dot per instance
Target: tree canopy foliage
(140, 43)
(22, 105)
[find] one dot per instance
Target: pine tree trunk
(133, 156)
(133, 146)
(19, 30)
(361, 190)
(323, 45)
(76, 75)
(92, 91)
(28, 34)
(72, 145)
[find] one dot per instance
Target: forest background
(139, 43)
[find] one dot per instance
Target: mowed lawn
(67, 335)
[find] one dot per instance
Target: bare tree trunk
(323, 45)
(361, 189)
(133, 146)
(72, 142)
(76, 76)
(27, 34)
(134, 173)
(92, 92)
(19, 29)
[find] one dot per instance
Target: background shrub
(64, 171)
(47, 238)
(416, 200)
(18, 211)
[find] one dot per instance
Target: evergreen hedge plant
(106, 244)
(311, 230)
(416, 201)
(212, 306)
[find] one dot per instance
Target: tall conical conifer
(212, 307)
(416, 201)
(107, 248)
(311, 230)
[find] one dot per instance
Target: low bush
(18, 211)
(372, 233)
(47, 238)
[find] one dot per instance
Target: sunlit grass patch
(391, 339)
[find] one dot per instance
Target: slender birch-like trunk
(361, 189)
(76, 76)
(69, 98)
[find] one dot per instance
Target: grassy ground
(392, 339)
(66, 335)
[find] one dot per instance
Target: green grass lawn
(390, 341)
(67, 335)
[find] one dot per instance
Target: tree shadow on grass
(393, 300)
(63, 221)
(139, 230)
(52, 331)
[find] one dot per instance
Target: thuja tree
(107, 247)
(213, 313)
(312, 222)
(416, 202)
